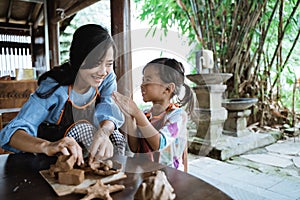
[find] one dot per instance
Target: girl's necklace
(157, 117)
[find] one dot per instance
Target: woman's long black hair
(90, 44)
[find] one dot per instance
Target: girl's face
(95, 76)
(153, 87)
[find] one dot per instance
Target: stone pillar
(211, 117)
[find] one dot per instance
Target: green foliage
(246, 36)
(98, 13)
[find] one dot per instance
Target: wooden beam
(14, 31)
(8, 14)
(33, 1)
(120, 27)
(73, 9)
(14, 26)
(29, 18)
(39, 18)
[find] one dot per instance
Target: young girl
(162, 129)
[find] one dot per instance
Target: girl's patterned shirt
(172, 125)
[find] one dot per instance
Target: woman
(72, 100)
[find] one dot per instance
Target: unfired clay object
(65, 173)
(71, 177)
(64, 163)
(99, 190)
(104, 168)
(155, 187)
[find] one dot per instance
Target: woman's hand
(126, 104)
(66, 146)
(101, 147)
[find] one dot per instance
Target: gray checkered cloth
(84, 132)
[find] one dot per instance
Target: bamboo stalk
(263, 39)
(191, 19)
(280, 41)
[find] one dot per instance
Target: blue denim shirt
(37, 110)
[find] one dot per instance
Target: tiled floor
(242, 183)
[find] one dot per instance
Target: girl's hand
(66, 146)
(126, 104)
(101, 147)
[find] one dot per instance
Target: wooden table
(20, 179)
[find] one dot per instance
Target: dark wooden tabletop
(20, 179)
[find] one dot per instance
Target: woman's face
(95, 76)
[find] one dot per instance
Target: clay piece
(99, 190)
(104, 168)
(63, 163)
(71, 177)
(63, 170)
(155, 187)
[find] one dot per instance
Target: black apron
(71, 115)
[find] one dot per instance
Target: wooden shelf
(13, 94)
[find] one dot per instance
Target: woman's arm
(109, 119)
(33, 113)
(27, 143)
(22, 141)
(106, 108)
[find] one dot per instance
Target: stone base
(236, 123)
(236, 133)
(210, 124)
(228, 146)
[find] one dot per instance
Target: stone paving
(269, 172)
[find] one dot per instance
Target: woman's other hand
(101, 147)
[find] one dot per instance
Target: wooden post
(53, 32)
(46, 36)
(120, 28)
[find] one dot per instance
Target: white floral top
(172, 125)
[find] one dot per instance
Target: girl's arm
(148, 131)
(130, 109)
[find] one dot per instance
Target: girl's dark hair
(172, 71)
(90, 43)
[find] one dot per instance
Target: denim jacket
(37, 110)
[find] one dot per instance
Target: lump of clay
(64, 171)
(155, 187)
(104, 168)
(71, 177)
(63, 163)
